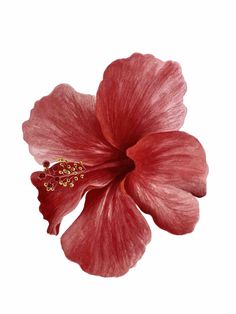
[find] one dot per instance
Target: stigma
(64, 174)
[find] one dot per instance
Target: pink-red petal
(109, 236)
(172, 209)
(169, 168)
(140, 95)
(54, 205)
(172, 158)
(63, 124)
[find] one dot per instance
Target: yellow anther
(67, 175)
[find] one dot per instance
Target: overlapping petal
(109, 236)
(140, 95)
(63, 124)
(55, 205)
(173, 158)
(168, 168)
(172, 209)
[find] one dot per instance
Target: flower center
(127, 165)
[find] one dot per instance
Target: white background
(44, 43)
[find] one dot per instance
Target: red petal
(54, 205)
(166, 164)
(172, 158)
(109, 236)
(172, 209)
(138, 96)
(63, 124)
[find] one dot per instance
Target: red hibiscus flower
(124, 150)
